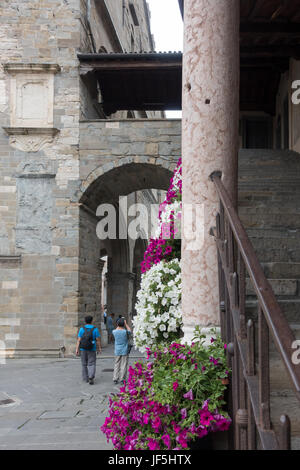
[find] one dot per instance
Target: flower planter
(203, 443)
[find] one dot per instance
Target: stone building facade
(60, 157)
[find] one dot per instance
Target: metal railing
(249, 391)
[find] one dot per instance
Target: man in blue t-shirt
(91, 341)
(121, 334)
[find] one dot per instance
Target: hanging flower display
(172, 401)
(167, 243)
(159, 318)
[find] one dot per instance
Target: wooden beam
(269, 108)
(265, 28)
(271, 51)
(279, 10)
(109, 66)
(280, 64)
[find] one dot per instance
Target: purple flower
(156, 423)
(189, 395)
(181, 439)
(175, 386)
(206, 417)
(176, 427)
(183, 413)
(166, 440)
(153, 444)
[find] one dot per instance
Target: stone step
(261, 207)
(281, 270)
(290, 308)
(281, 287)
(266, 160)
(282, 233)
(266, 220)
(277, 250)
(269, 195)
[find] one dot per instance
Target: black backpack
(86, 341)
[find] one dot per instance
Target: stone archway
(134, 173)
(139, 249)
(104, 185)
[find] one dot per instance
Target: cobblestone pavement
(53, 409)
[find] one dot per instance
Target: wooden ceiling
(142, 82)
(269, 38)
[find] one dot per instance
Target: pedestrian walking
(104, 314)
(110, 327)
(121, 335)
(88, 344)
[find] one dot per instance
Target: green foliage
(199, 368)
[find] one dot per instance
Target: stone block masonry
(33, 180)
(48, 251)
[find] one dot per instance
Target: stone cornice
(30, 139)
(51, 131)
(31, 68)
(10, 260)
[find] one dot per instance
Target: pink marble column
(210, 142)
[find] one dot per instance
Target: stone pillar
(210, 142)
(103, 332)
(120, 294)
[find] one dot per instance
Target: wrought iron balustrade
(249, 390)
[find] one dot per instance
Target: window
(133, 14)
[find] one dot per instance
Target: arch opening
(139, 184)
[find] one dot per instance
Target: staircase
(269, 208)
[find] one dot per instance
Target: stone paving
(53, 409)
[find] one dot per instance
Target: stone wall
(40, 290)
(42, 247)
(105, 141)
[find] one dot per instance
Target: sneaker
(91, 381)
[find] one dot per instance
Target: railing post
(250, 348)
(285, 433)
(251, 426)
(236, 395)
(263, 371)
(242, 295)
(243, 412)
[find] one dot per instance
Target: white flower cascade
(159, 316)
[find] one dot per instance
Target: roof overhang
(146, 81)
(269, 38)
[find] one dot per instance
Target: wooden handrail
(278, 325)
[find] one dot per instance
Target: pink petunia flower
(166, 440)
(189, 395)
(175, 385)
(206, 418)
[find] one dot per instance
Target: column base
(104, 335)
(189, 333)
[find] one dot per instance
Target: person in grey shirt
(121, 350)
(110, 326)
